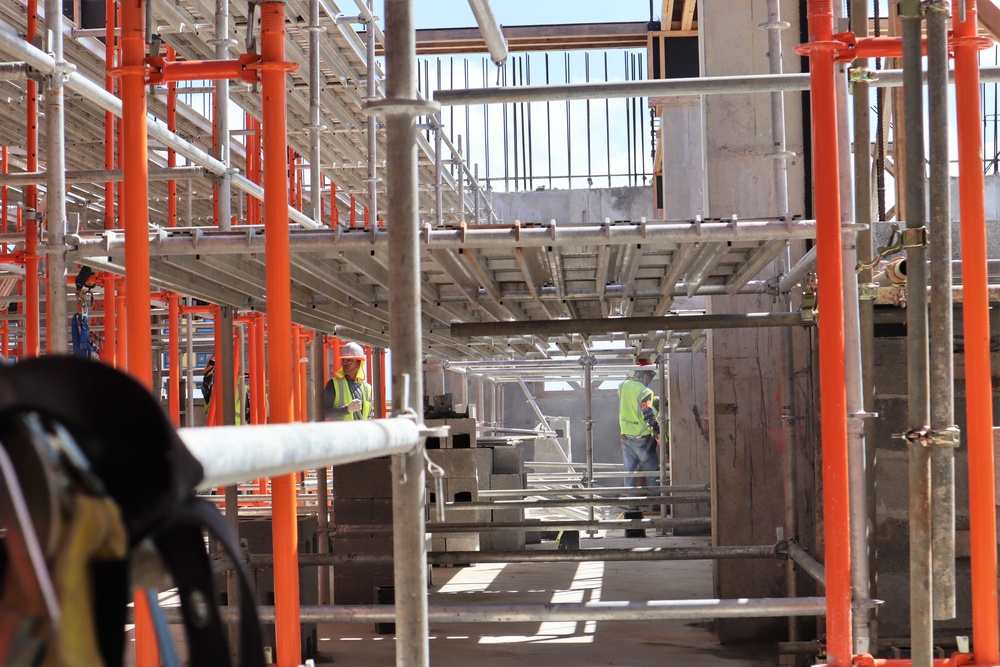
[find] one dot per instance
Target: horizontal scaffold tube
(584, 611)
(576, 502)
(102, 176)
(232, 454)
(627, 324)
(604, 490)
(804, 560)
(205, 241)
(522, 526)
(539, 556)
(706, 85)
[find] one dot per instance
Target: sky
(457, 14)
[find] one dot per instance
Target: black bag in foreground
(121, 446)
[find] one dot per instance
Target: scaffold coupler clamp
(916, 436)
(946, 437)
(807, 310)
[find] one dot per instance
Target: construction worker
(636, 419)
(347, 396)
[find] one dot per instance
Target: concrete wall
(745, 365)
(592, 205)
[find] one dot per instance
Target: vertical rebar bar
(315, 124)
(373, 125)
(942, 369)
(406, 338)
(569, 132)
(921, 623)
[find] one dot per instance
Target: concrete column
(745, 367)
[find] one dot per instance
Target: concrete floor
(561, 644)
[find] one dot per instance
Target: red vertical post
(31, 296)
(3, 195)
(334, 213)
(385, 380)
(833, 402)
(121, 349)
(136, 189)
(976, 322)
(366, 217)
(279, 324)
(174, 352)
(110, 347)
(354, 213)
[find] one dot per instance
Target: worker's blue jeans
(638, 456)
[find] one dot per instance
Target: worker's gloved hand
(354, 406)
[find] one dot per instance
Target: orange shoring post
(833, 400)
(173, 333)
(976, 323)
(279, 316)
(385, 379)
(365, 216)
(334, 213)
(260, 382)
(110, 347)
(5, 340)
(368, 363)
(296, 373)
(215, 407)
(3, 195)
(171, 153)
(121, 340)
(304, 375)
(956, 660)
(136, 224)
(31, 296)
(354, 213)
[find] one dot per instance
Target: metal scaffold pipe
(945, 433)
(57, 338)
(402, 106)
(235, 454)
(490, 30)
(546, 556)
(223, 186)
(627, 324)
(585, 611)
(917, 385)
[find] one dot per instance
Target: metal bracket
(861, 414)
(947, 437)
(868, 291)
(808, 309)
(401, 106)
(914, 436)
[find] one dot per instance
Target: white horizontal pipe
(233, 454)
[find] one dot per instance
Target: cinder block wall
(891, 539)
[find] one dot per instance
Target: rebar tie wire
(911, 237)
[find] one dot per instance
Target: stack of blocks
(362, 495)
(468, 470)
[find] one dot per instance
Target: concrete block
(347, 545)
(507, 541)
(438, 544)
(381, 511)
(508, 516)
(352, 511)
(364, 479)
(462, 542)
(456, 462)
(434, 442)
(484, 465)
(506, 481)
(507, 460)
(462, 433)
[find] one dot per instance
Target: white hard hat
(352, 351)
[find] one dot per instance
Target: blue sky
(457, 14)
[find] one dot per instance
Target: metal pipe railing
(547, 556)
(585, 611)
(536, 525)
(235, 454)
(603, 490)
(918, 404)
(942, 360)
(804, 560)
(574, 502)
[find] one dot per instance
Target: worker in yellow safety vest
(637, 420)
(347, 396)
